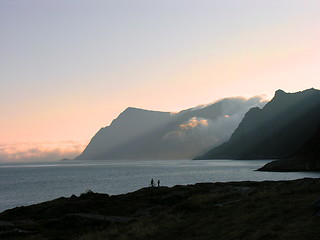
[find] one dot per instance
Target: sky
(68, 68)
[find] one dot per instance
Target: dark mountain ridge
(275, 131)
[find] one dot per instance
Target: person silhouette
(152, 183)
(158, 183)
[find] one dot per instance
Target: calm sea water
(29, 183)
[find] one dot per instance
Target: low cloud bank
(40, 151)
(197, 135)
(194, 122)
(194, 125)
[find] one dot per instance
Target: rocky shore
(307, 158)
(234, 210)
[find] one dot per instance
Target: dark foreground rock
(307, 158)
(235, 210)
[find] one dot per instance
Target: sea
(23, 184)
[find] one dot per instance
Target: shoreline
(230, 210)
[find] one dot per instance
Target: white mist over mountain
(144, 134)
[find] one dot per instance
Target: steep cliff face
(307, 158)
(129, 125)
(274, 131)
(143, 134)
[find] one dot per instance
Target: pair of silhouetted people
(152, 183)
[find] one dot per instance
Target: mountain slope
(307, 158)
(142, 134)
(130, 124)
(275, 131)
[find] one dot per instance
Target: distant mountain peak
(130, 109)
(134, 109)
(280, 92)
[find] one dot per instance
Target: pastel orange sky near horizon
(68, 68)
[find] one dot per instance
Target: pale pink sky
(68, 68)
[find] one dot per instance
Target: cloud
(257, 100)
(185, 128)
(40, 151)
(194, 122)
(197, 135)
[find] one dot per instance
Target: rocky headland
(307, 158)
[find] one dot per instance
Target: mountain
(275, 131)
(307, 158)
(130, 124)
(144, 134)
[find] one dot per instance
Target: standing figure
(152, 183)
(158, 183)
